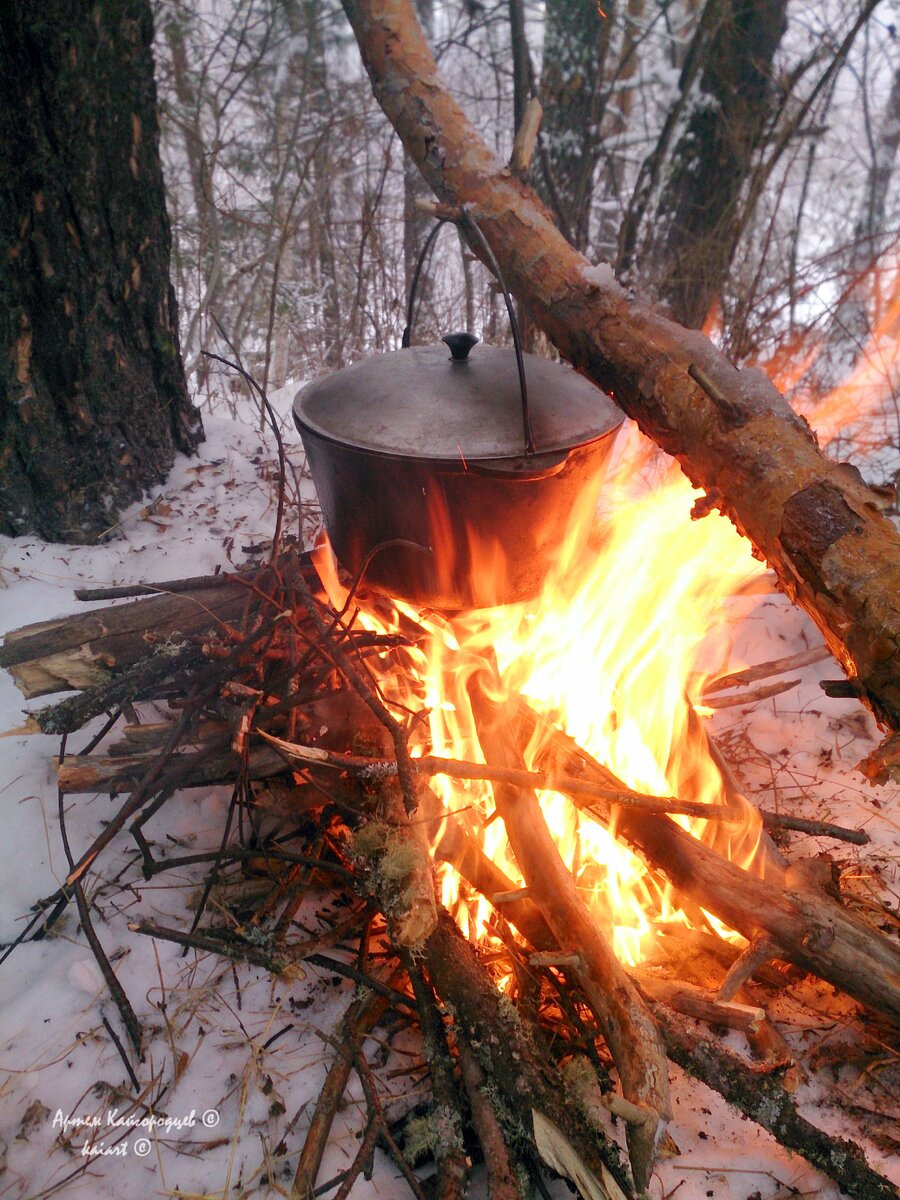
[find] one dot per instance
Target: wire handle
(472, 226)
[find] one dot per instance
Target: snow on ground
(236, 1056)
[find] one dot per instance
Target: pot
(426, 488)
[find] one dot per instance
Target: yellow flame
(607, 652)
(615, 652)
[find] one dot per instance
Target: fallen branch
(735, 436)
(629, 1032)
(429, 765)
(765, 1101)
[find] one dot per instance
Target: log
(814, 521)
(85, 651)
(121, 773)
(808, 927)
(627, 1026)
(529, 1084)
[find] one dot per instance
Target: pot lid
(420, 402)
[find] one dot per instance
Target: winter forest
(495, 794)
(734, 164)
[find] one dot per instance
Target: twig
(362, 1016)
(491, 773)
(195, 583)
(127, 1013)
(364, 1072)
(761, 693)
(117, 1042)
(775, 666)
(773, 820)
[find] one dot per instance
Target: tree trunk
(94, 400)
(733, 433)
(577, 40)
(695, 227)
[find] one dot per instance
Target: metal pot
(419, 463)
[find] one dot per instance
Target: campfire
(544, 859)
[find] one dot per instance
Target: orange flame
(615, 651)
(608, 651)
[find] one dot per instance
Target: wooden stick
(764, 1100)
(362, 1017)
(761, 693)
(735, 436)
(775, 666)
(492, 773)
(773, 820)
(627, 1026)
(503, 1183)
(812, 930)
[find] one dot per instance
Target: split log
(814, 521)
(85, 651)
(118, 773)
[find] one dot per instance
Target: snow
(206, 1064)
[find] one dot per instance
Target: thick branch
(739, 440)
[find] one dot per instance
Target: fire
(613, 651)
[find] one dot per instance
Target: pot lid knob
(460, 344)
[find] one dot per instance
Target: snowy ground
(236, 1055)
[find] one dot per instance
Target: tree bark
(695, 228)
(575, 50)
(94, 400)
(733, 433)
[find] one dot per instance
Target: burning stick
(808, 927)
(530, 1086)
(568, 785)
(627, 1026)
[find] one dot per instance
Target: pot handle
(534, 468)
(468, 221)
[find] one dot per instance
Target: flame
(615, 651)
(868, 390)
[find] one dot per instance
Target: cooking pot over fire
(426, 486)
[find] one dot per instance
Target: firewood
(734, 435)
(809, 928)
(627, 1027)
(502, 1181)
(394, 854)
(85, 650)
(760, 1097)
(530, 1086)
(118, 773)
(362, 1016)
